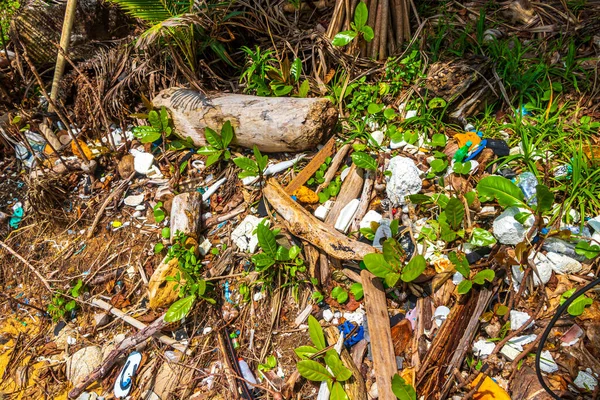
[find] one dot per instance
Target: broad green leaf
(266, 239)
(470, 196)
(164, 118)
(226, 134)
(342, 297)
(374, 108)
(392, 279)
(180, 309)
(484, 275)
(305, 352)
(361, 15)
(438, 165)
(283, 254)
(578, 306)
(261, 161)
(343, 38)
(304, 88)
(455, 212)
(402, 389)
(335, 291)
(464, 286)
(414, 268)
(337, 391)
(482, 238)
(75, 290)
(333, 361)
(206, 151)
(545, 198)
(440, 199)
(213, 158)
(419, 199)
(437, 102)
(158, 247)
(503, 190)
(393, 253)
(389, 113)
(367, 32)
(367, 233)
(213, 138)
(201, 287)
(294, 252)
(313, 371)
(438, 140)
(316, 333)
(363, 160)
(71, 305)
(394, 226)
(357, 290)
(588, 250)
(376, 264)
(296, 69)
(522, 216)
(447, 234)
(154, 120)
(262, 260)
(246, 164)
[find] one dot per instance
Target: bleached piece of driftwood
(186, 214)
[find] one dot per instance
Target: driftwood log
(186, 214)
(274, 124)
(302, 224)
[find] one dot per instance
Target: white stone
(411, 149)
(440, 315)
(585, 380)
(377, 137)
(101, 319)
(457, 278)
(483, 348)
(562, 264)
(370, 216)
(133, 201)
(142, 162)
(547, 363)
(243, 237)
(405, 179)
(259, 296)
(82, 363)
(344, 174)
(328, 315)
(510, 352)
(508, 230)
(343, 222)
(518, 319)
(397, 145)
(514, 347)
(487, 210)
(410, 114)
(204, 247)
(543, 266)
(357, 316)
(322, 211)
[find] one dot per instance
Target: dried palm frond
(47, 195)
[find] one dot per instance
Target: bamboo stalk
(65, 38)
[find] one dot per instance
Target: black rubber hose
(559, 312)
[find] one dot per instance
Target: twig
(114, 355)
(212, 221)
(115, 193)
(31, 267)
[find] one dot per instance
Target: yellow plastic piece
(489, 390)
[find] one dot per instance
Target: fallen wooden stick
(117, 192)
(365, 200)
(164, 339)
(302, 224)
(311, 167)
(212, 221)
(382, 347)
(31, 267)
(114, 355)
(337, 160)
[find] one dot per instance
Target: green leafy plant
(438, 140)
(60, 304)
(357, 291)
(389, 265)
(159, 126)
(403, 390)
(217, 144)
(577, 307)
(7, 9)
(339, 294)
(251, 167)
(270, 363)
(158, 212)
(357, 28)
(462, 265)
(188, 279)
(331, 190)
(588, 250)
(462, 168)
(331, 370)
(363, 160)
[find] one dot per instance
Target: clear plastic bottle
(247, 373)
(527, 182)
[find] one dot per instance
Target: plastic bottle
(527, 182)
(247, 373)
(560, 246)
(462, 152)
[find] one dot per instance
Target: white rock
(514, 347)
(357, 316)
(488, 210)
(509, 351)
(483, 348)
(440, 315)
(322, 211)
(547, 363)
(508, 230)
(243, 237)
(370, 216)
(328, 315)
(405, 179)
(82, 363)
(258, 296)
(518, 319)
(585, 380)
(101, 319)
(562, 264)
(544, 269)
(377, 137)
(133, 201)
(411, 149)
(204, 247)
(343, 222)
(397, 145)
(457, 278)
(410, 114)
(142, 162)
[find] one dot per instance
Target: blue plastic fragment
(227, 292)
(346, 328)
(477, 150)
(544, 231)
(294, 198)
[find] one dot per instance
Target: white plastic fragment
(404, 180)
(343, 222)
(322, 211)
(377, 137)
(243, 237)
(344, 174)
(510, 231)
(543, 266)
(142, 161)
(204, 247)
(397, 145)
(410, 114)
(301, 318)
(282, 166)
(213, 188)
(518, 319)
(547, 363)
(457, 278)
(328, 315)
(370, 216)
(483, 348)
(571, 336)
(514, 347)
(133, 201)
(585, 380)
(440, 315)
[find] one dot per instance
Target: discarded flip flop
(124, 381)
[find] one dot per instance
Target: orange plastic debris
(306, 196)
(463, 138)
(489, 390)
